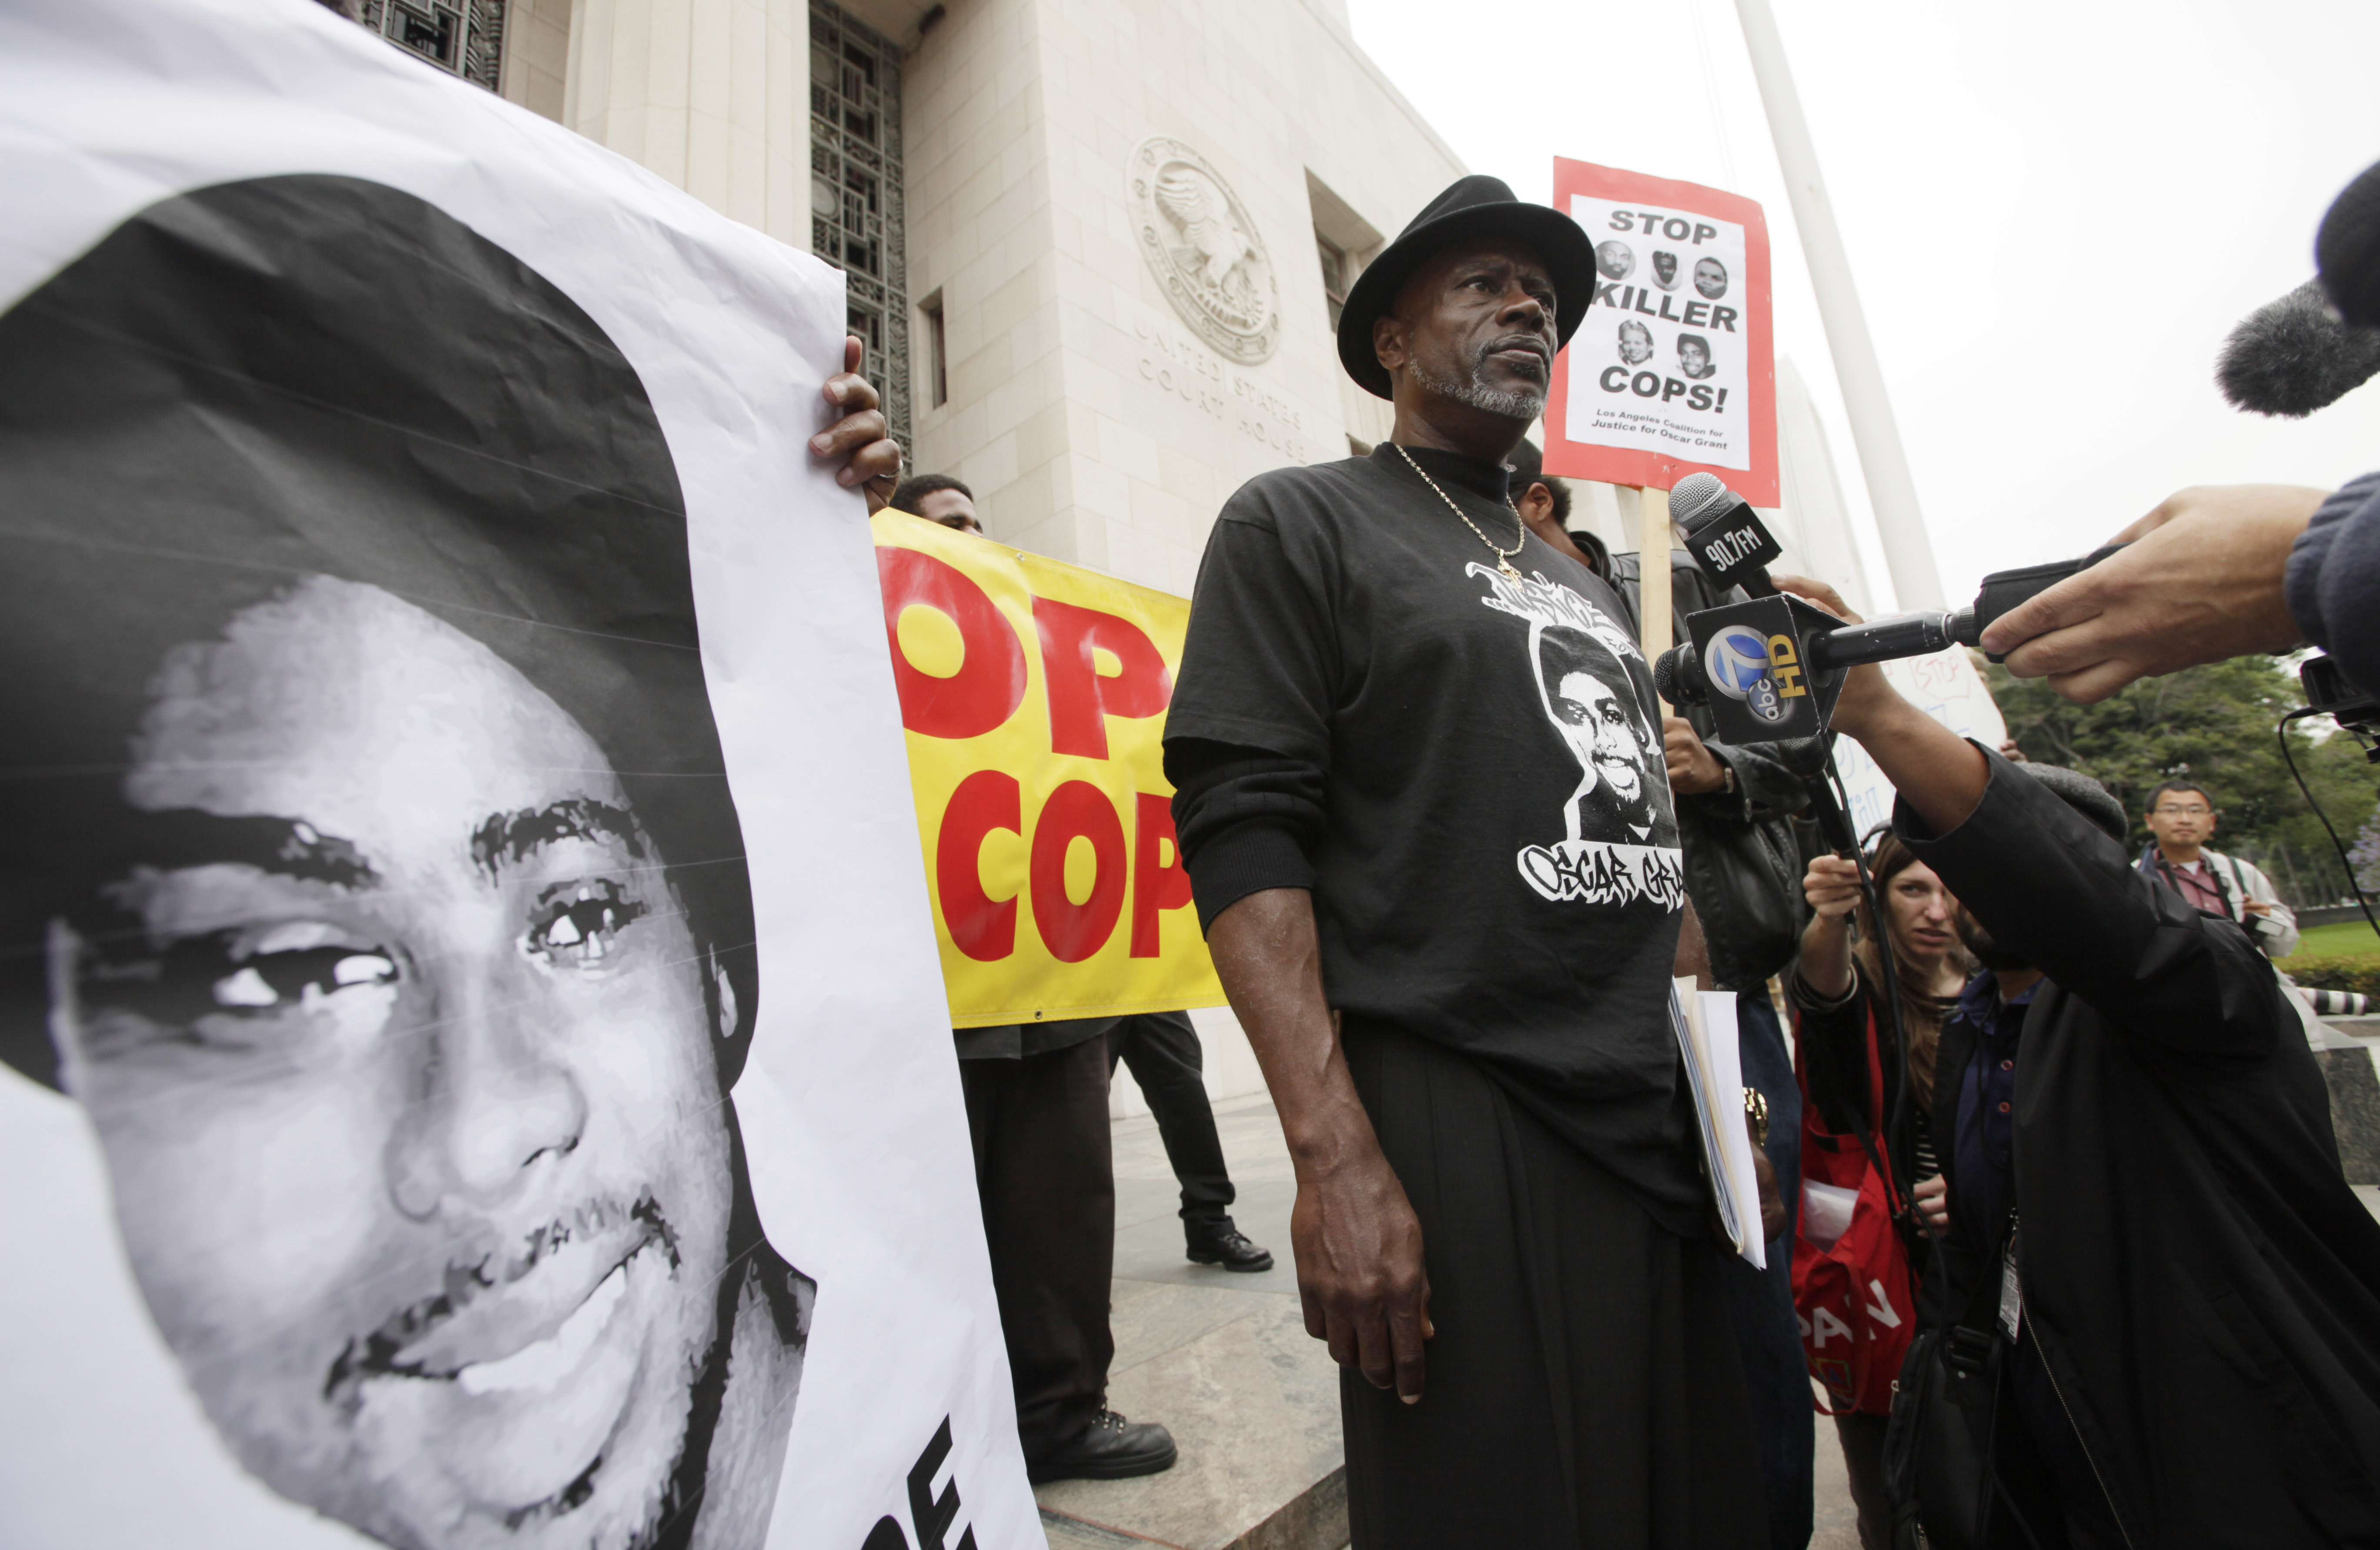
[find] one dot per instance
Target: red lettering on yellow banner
(981, 927)
(1033, 694)
(1159, 883)
(1073, 932)
(1081, 697)
(990, 684)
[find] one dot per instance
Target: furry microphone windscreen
(2346, 250)
(2293, 356)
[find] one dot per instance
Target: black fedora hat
(1470, 207)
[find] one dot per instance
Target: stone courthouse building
(1093, 244)
(1095, 247)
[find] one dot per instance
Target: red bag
(1855, 1298)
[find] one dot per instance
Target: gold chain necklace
(1503, 556)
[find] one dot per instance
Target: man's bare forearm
(1937, 772)
(1361, 1277)
(1268, 956)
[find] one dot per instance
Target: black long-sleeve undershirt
(1247, 819)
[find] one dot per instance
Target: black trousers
(1584, 1386)
(1160, 1049)
(1047, 1176)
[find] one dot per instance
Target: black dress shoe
(1228, 1247)
(1109, 1448)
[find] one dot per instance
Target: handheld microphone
(2294, 355)
(1726, 537)
(1771, 667)
(1681, 676)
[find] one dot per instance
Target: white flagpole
(1908, 552)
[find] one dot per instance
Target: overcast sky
(2055, 213)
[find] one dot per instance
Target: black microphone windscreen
(2294, 355)
(1678, 676)
(2346, 250)
(1695, 495)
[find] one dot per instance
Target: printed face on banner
(474, 1073)
(1661, 364)
(402, 998)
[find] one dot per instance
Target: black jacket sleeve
(2334, 580)
(2051, 887)
(1765, 789)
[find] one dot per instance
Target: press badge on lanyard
(2011, 1294)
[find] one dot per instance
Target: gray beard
(1520, 403)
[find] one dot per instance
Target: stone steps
(1222, 1360)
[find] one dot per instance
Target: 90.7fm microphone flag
(1673, 370)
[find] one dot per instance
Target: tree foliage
(2214, 725)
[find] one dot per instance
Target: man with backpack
(2183, 815)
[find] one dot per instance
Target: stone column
(711, 94)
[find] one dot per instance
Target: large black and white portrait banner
(474, 1070)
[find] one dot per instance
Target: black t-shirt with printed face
(1498, 866)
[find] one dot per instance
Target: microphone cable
(2355, 888)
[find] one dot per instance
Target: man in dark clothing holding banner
(1421, 796)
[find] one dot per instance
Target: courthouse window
(856, 198)
(1334, 277)
(464, 36)
(938, 359)
(1343, 239)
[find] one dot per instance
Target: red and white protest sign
(1673, 371)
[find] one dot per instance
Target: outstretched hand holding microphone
(2225, 571)
(2200, 579)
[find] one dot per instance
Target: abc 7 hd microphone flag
(1749, 654)
(1672, 372)
(1034, 694)
(473, 1066)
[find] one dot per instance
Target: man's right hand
(1359, 1269)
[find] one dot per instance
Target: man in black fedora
(1458, 989)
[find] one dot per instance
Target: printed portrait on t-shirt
(1615, 841)
(392, 922)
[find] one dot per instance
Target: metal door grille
(856, 202)
(464, 36)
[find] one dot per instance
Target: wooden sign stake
(1653, 569)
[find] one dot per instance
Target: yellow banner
(1034, 694)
